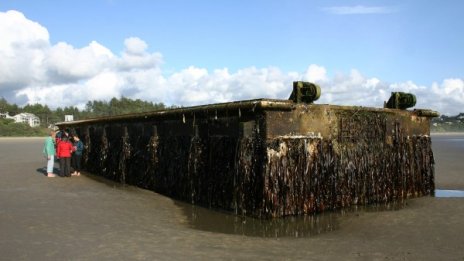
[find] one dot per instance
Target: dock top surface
(256, 104)
(244, 106)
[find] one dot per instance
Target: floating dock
(267, 158)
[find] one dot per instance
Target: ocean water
(449, 193)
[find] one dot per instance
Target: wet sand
(87, 218)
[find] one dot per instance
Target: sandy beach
(88, 218)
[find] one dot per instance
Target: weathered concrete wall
(326, 157)
(307, 175)
(268, 163)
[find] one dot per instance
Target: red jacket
(64, 149)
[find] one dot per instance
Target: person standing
(78, 148)
(63, 151)
(49, 153)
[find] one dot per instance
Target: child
(78, 147)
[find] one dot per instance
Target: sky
(179, 52)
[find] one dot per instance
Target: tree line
(92, 109)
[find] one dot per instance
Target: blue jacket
(79, 147)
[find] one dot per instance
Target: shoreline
(20, 138)
(446, 133)
(32, 137)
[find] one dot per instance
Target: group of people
(67, 149)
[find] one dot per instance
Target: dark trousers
(76, 162)
(65, 167)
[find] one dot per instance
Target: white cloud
(21, 50)
(354, 89)
(194, 86)
(135, 46)
(359, 9)
(315, 73)
(65, 63)
(448, 96)
(135, 56)
(34, 71)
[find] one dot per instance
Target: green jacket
(49, 147)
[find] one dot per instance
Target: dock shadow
(219, 221)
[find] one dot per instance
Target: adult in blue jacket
(78, 148)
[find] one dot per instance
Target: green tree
(5, 107)
(119, 106)
(96, 108)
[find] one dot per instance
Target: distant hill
(448, 123)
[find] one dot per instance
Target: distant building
(24, 117)
(68, 117)
(4, 115)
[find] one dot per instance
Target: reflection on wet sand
(295, 226)
(219, 221)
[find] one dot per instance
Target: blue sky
(416, 45)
